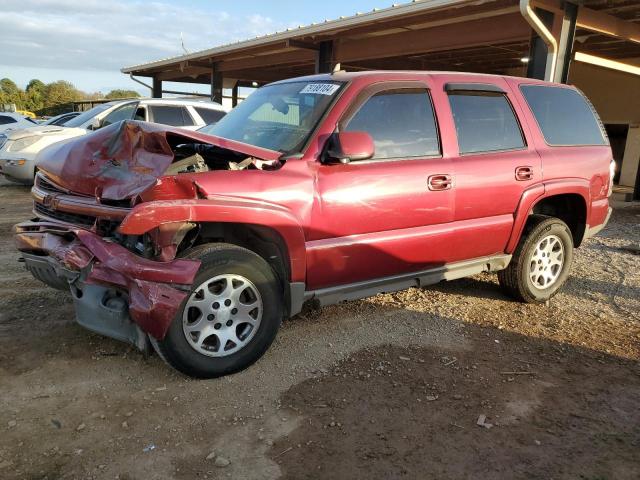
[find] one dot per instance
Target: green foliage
(9, 92)
(36, 85)
(120, 93)
(39, 96)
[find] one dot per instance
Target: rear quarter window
(564, 116)
(171, 115)
(210, 115)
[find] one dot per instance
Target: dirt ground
(451, 382)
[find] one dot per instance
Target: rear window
(171, 115)
(209, 115)
(564, 116)
(485, 122)
(4, 119)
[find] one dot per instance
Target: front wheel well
(571, 208)
(264, 241)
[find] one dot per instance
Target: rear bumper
(594, 230)
(115, 292)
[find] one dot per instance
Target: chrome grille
(85, 221)
(3, 140)
(43, 184)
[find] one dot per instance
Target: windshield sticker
(320, 88)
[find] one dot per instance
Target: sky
(87, 42)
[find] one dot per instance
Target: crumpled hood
(44, 130)
(124, 159)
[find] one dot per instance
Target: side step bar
(452, 271)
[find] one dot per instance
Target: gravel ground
(77, 405)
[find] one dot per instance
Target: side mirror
(96, 124)
(346, 147)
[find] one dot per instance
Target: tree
(35, 95)
(9, 92)
(61, 92)
(35, 85)
(120, 93)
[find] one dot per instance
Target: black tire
(516, 280)
(220, 259)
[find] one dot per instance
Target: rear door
(493, 166)
(377, 218)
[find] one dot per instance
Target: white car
(19, 148)
(12, 121)
(60, 119)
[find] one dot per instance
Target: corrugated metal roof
(394, 10)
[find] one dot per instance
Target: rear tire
(541, 262)
(231, 316)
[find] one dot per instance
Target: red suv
(316, 189)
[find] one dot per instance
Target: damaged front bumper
(116, 292)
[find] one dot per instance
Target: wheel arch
(231, 219)
(568, 200)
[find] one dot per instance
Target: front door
(390, 214)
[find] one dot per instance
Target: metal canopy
(488, 36)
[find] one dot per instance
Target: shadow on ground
(556, 411)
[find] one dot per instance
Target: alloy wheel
(222, 315)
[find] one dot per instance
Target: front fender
(149, 215)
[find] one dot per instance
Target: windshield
(88, 115)
(278, 117)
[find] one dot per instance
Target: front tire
(231, 316)
(541, 262)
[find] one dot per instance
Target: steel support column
(324, 58)
(216, 86)
(156, 91)
(234, 95)
(565, 45)
(538, 51)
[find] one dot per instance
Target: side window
(170, 115)
(564, 116)
(124, 112)
(5, 119)
(209, 115)
(401, 123)
(485, 122)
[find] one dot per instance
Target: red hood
(124, 159)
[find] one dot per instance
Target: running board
(452, 271)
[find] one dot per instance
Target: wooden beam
(267, 61)
(292, 43)
(171, 75)
(596, 21)
(499, 29)
(198, 63)
(608, 25)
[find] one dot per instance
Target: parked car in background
(317, 189)
(18, 152)
(12, 121)
(60, 119)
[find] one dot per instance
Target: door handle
(440, 182)
(524, 173)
